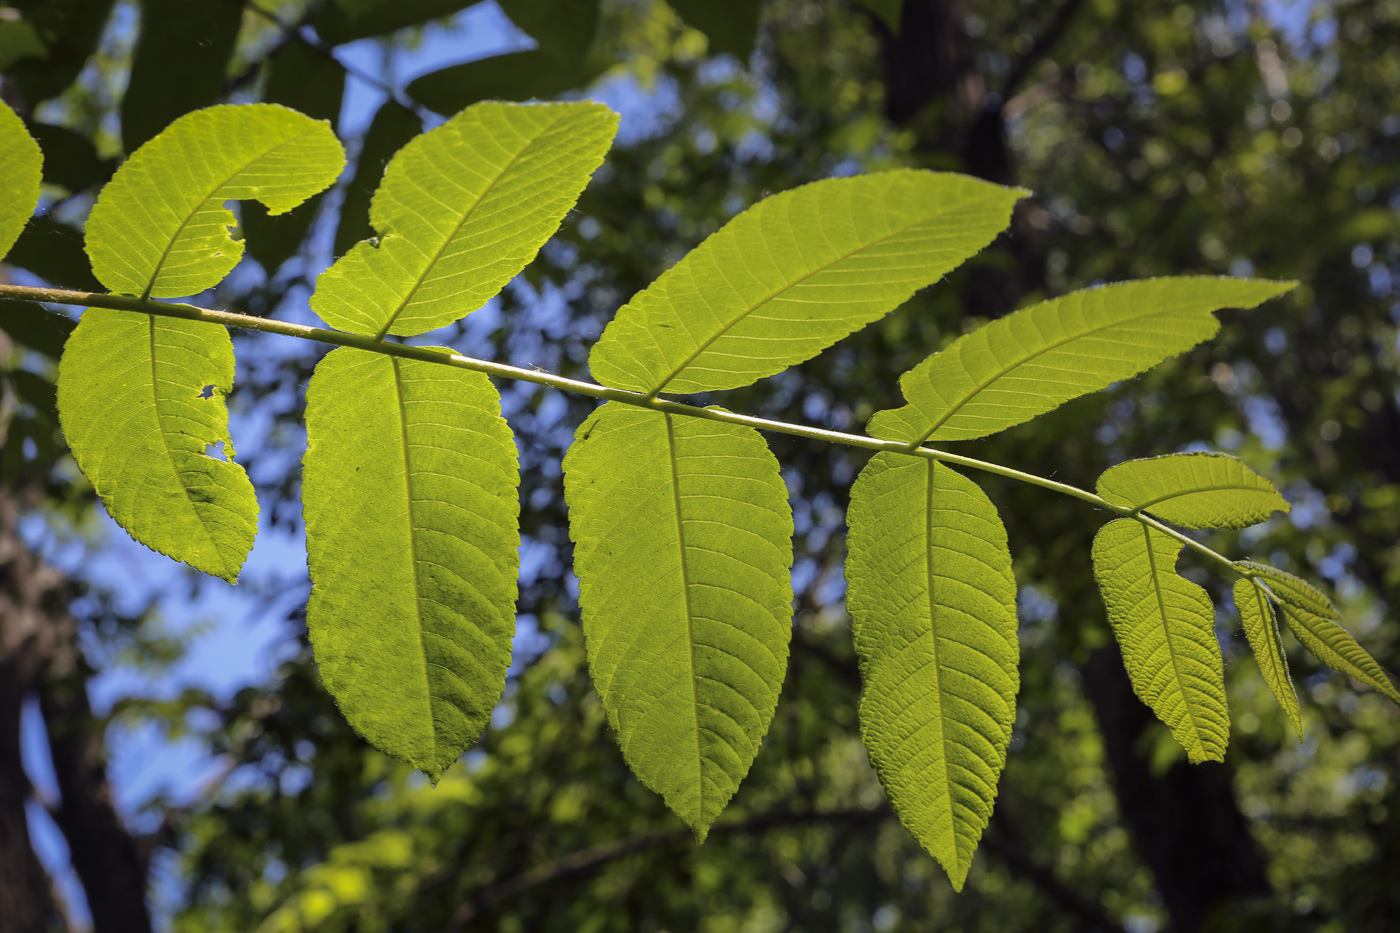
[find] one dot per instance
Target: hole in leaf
(216, 451)
(206, 392)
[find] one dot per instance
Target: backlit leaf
(141, 399)
(1260, 627)
(160, 227)
(1038, 358)
(21, 171)
(1165, 626)
(682, 535)
(1193, 490)
(794, 274)
(461, 210)
(933, 607)
(409, 494)
(1318, 625)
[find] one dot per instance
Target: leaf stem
(539, 377)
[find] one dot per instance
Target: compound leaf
(141, 399)
(1318, 625)
(1040, 357)
(795, 273)
(933, 608)
(1165, 626)
(160, 227)
(461, 210)
(1261, 628)
(682, 534)
(409, 493)
(21, 172)
(1193, 490)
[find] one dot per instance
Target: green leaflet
(1038, 358)
(682, 534)
(160, 227)
(1318, 625)
(1260, 627)
(1165, 626)
(21, 170)
(794, 274)
(933, 606)
(131, 400)
(1194, 490)
(461, 210)
(409, 493)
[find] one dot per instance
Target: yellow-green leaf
(1165, 626)
(160, 227)
(1040, 357)
(795, 273)
(409, 493)
(1261, 628)
(1318, 625)
(141, 399)
(460, 211)
(682, 544)
(1193, 490)
(933, 607)
(21, 171)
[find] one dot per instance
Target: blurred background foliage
(1231, 137)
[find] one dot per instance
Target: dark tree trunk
(1186, 823)
(39, 653)
(26, 904)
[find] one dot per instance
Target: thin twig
(667, 406)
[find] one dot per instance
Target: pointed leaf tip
(795, 273)
(411, 505)
(461, 210)
(1038, 358)
(683, 550)
(1165, 626)
(1318, 625)
(933, 605)
(1261, 629)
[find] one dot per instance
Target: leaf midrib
(937, 665)
(1196, 490)
(175, 238)
(1167, 633)
(447, 241)
(413, 550)
(798, 281)
(165, 439)
(1041, 352)
(689, 614)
